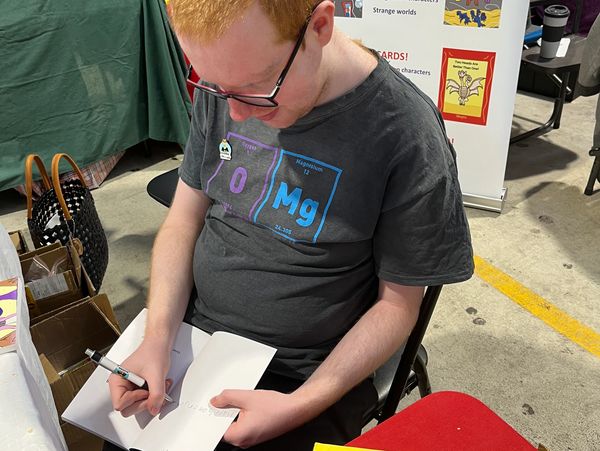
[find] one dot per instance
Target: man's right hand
(151, 360)
(171, 281)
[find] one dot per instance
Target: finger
(119, 387)
(132, 402)
(230, 398)
(135, 408)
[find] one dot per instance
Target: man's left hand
(264, 414)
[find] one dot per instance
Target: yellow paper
(8, 314)
(324, 447)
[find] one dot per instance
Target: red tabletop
(444, 421)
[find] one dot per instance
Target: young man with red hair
(318, 196)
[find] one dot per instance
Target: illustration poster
(8, 314)
(465, 85)
(349, 8)
(473, 13)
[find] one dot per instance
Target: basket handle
(33, 158)
(56, 181)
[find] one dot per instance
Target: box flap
(68, 385)
(47, 315)
(49, 371)
(66, 335)
(40, 251)
(18, 240)
(59, 256)
(102, 302)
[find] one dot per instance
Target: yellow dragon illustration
(466, 88)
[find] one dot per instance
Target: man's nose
(239, 111)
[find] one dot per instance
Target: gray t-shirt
(306, 219)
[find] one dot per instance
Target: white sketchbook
(201, 367)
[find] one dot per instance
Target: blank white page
(92, 407)
(226, 362)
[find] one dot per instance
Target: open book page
(191, 423)
(92, 407)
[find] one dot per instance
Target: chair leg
(594, 174)
(420, 369)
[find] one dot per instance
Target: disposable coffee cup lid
(557, 11)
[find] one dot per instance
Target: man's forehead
(249, 64)
(251, 41)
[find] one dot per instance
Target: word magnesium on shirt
(308, 207)
(308, 165)
(394, 11)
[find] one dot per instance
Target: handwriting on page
(209, 410)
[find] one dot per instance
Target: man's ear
(322, 22)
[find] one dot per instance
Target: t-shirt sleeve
(422, 236)
(193, 153)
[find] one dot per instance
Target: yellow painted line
(560, 321)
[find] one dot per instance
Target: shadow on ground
(129, 308)
(535, 156)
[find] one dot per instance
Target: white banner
(465, 55)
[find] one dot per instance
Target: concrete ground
(479, 340)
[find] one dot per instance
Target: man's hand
(151, 360)
(264, 414)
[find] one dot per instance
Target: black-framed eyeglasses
(262, 100)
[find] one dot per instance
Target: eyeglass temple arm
(294, 52)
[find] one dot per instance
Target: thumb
(156, 390)
(228, 398)
(234, 433)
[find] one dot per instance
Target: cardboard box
(70, 283)
(49, 293)
(18, 239)
(61, 339)
(80, 440)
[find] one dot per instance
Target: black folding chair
(404, 371)
(594, 173)
(162, 187)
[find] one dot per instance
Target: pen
(117, 369)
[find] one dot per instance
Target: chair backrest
(162, 187)
(393, 378)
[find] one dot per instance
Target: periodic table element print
(240, 183)
(300, 193)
